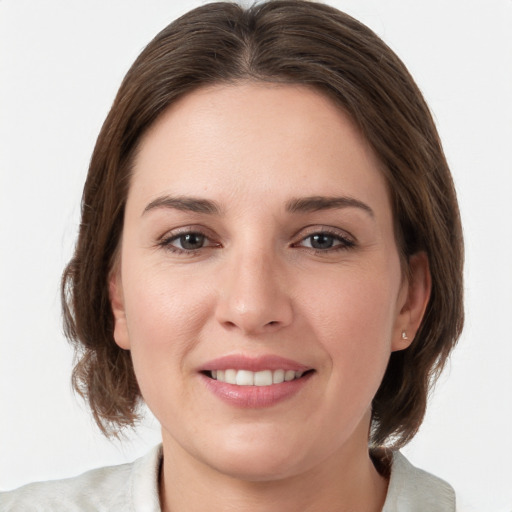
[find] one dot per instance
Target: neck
(347, 481)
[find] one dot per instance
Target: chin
(258, 469)
(259, 458)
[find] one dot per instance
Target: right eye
(188, 242)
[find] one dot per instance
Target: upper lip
(254, 364)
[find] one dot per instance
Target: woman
(270, 256)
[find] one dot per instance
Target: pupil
(321, 241)
(192, 241)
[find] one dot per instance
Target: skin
(261, 285)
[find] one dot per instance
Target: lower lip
(255, 397)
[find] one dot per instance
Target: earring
(404, 335)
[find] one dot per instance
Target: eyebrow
(317, 203)
(296, 205)
(187, 204)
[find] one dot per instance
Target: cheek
(353, 306)
(165, 314)
(157, 298)
(353, 316)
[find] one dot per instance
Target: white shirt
(134, 488)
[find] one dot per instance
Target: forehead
(253, 139)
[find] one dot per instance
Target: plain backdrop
(61, 62)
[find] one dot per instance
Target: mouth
(255, 378)
(249, 382)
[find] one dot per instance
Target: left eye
(325, 241)
(191, 241)
(187, 241)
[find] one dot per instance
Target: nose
(253, 295)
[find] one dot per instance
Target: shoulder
(127, 487)
(413, 490)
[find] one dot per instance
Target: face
(259, 286)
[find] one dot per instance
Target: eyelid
(320, 228)
(171, 235)
(346, 240)
(188, 228)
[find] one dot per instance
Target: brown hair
(292, 41)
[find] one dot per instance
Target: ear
(115, 288)
(413, 302)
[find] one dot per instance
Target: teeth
(244, 378)
(248, 378)
(278, 377)
(229, 376)
(289, 375)
(263, 378)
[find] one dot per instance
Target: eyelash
(342, 242)
(167, 241)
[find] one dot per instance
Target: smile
(255, 382)
(259, 378)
